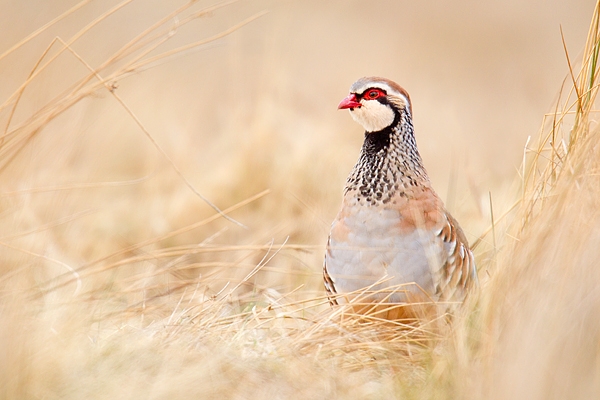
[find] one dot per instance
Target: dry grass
(122, 279)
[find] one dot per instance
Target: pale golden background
(257, 109)
(251, 111)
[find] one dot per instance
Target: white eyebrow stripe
(377, 85)
(386, 88)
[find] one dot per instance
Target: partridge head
(376, 103)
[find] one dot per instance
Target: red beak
(349, 102)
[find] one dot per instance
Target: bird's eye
(374, 94)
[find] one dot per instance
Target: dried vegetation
(140, 287)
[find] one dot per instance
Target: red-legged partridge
(393, 241)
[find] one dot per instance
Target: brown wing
(458, 274)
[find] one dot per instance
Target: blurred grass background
(118, 280)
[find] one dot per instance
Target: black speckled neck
(389, 164)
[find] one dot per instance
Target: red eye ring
(373, 94)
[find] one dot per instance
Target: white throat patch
(373, 115)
